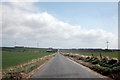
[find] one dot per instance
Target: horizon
(56, 48)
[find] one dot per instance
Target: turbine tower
(107, 44)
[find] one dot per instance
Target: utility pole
(107, 44)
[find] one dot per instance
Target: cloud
(22, 21)
(20, 1)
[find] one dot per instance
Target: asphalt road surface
(61, 67)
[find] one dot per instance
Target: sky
(60, 24)
(87, 14)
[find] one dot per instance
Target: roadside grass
(109, 54)
(10, 59)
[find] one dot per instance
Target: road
(61, 67)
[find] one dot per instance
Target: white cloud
(19, 24)
(61, 0)
(20, 0)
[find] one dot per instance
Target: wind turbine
(107, 44)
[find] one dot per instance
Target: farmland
(12, 57)
(15, 58)
(109, 54)
(22, 61)
(94, 52)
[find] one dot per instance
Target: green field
(10, 59)
(109, 54)
(13, 49)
